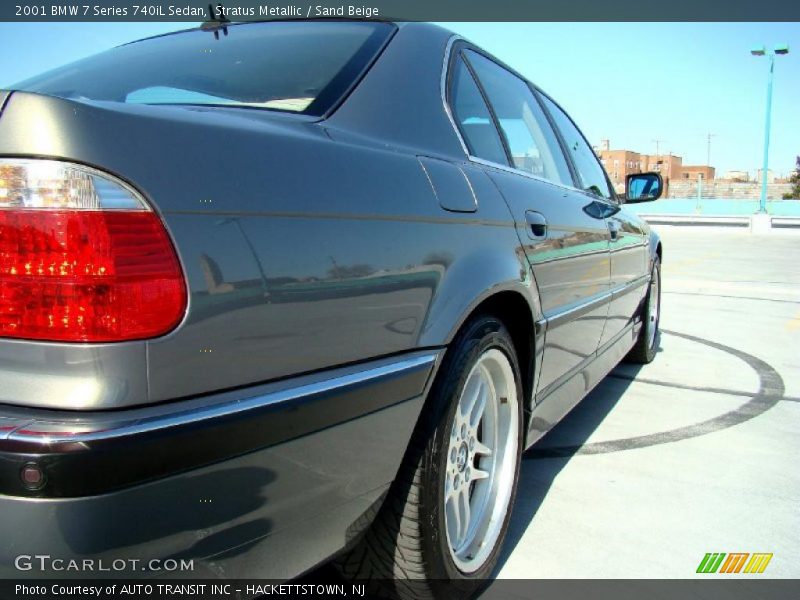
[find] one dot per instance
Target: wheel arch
(512, 305)
(514, 311)
(655, 247)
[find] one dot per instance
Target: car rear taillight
(83, 258)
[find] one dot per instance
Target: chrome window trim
(488, 163)
(26, 432)
(443, 90)
(613, 200)
(514, 170)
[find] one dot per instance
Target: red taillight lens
(84, 274)
(87, 276)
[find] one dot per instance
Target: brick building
(669, 165)
(692, 172)
(620, 163)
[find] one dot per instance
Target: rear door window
(593, 178)
(531, 141)
(473, 117)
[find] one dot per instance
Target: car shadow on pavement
(542, 463)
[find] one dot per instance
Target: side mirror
(643, 187)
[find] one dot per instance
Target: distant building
(619, 163)
(736, 176)
(694, 172)
(669, 165)
(770, 176)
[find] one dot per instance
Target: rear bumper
(264, 482)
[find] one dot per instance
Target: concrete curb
(786, 222)
(743, 221)
(702, 220)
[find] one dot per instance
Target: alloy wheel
(653, 308)
(481, 461)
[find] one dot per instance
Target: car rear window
(300, 67)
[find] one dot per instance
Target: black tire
(405, 553)
(646, 346)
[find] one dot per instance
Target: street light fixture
(762, 51)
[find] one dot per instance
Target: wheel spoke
(481, 448)
(448, 489)
(454, 526)
(472, 390)
(475, 412)
(464, 509)
(478, 474)
(477, 399)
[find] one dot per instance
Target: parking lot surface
(697, 452)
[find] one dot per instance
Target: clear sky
(630, 83)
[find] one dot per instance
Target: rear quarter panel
(301, 252)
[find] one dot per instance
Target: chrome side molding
(82, 430)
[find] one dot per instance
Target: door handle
(613, 229)
(537, 225)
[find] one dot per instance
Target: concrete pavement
(695, 453)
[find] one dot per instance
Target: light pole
(762, 51)
(708, 149)
(657, 143)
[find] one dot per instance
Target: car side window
(473, 117)
(593, 178)
(533, 145)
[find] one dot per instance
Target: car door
(506, 129)
(627, 239)
(629, 271)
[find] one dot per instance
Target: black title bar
(311, 587)
(401, 10)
